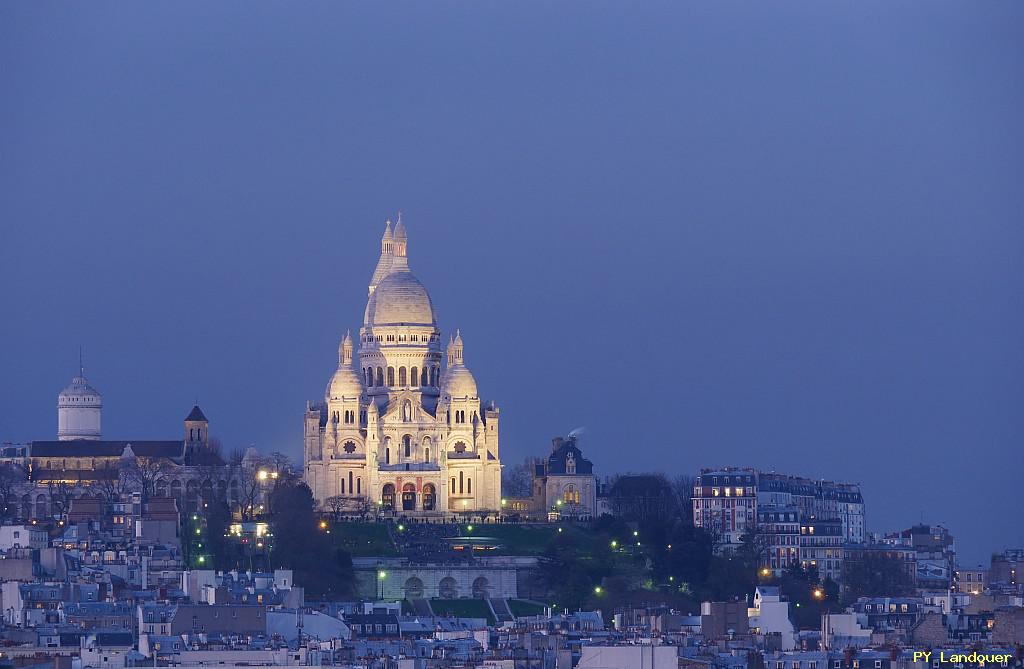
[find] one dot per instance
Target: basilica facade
(401, 428)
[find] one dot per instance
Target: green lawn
(463, 608)
(363, 539)
(523, 607)
(524, 539)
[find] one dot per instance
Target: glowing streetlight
(382, 575)
(263, 474)
(819, 593)
(615, 544)
(469, 528)
(766, 572)
(401, 528)
(636, 533)
(597, 590)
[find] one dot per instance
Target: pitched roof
(196, 414)
(79, 448)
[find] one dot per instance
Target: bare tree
(215, 447)
(336, 504)
(517, 480)
(682, 486)
(250, 485)
(144, 474)
(279, 462)
(11, 477)
(60, 498)
(112, 480)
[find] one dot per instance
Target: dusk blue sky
(782, 235)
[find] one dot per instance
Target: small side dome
(458, 382)
(344, 383)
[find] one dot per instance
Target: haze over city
(719, 249)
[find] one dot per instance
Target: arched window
(367, 376)
(380, 376)
(387, 456)
(391, 376)
(350, 481)
(469, 486)
(407, 443)
(426, 454)
(414, 377)
(359, 486)
(462, 482)
(401, 376)
(342, 486)
(453, 485)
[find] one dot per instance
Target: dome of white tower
(79, 389)
(400, 299)
(344, 383)
(458, 382)
(79, 409)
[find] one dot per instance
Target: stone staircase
(501, 610)
(421, 607)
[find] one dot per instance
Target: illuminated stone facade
(397, 430)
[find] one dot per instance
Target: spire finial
(81, 363)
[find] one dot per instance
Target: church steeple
(401, 241)
(386, 258)
(455, 349)
(345, 350)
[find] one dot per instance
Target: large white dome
(399, 299)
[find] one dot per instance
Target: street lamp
(597, 590)
(381, 575)
(615, 544)
(819, 594)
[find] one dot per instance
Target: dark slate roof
(559, 457)
(84, 448)
(196, 414)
